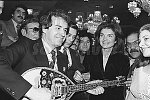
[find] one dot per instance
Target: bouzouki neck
(84, 87)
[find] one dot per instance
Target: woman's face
(107, 38)
(84, 44)
(144, 42)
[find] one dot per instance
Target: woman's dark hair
(119, 45)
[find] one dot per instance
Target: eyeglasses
(131, 44)
(35, 29)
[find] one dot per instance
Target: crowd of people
(55, 42)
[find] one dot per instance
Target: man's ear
(23, 31)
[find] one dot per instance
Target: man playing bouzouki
(26, 54)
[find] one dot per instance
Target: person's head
(132, 46)
(73, 30)
(1, 6)
(56, 29)
(144, 40)
(75, 43)
(31, 28)
(85, 41)
(19, 13)
(109, 35)
(43, 21)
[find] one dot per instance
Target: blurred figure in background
(1, 6)
(11, 27)
(75, 43)
(75, 68)
(133, 51)
(85, 42)
(84, 49)
(72, 56)
(3, 95)
(1, 22)
(132, 46)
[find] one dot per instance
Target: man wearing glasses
(132, 47)
(133, 51)
(31, 28)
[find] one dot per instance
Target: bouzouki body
(43, 77)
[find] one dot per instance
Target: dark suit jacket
(21, 56)
(117, 65)
(85, 63)
(76, 65)
(8, 31)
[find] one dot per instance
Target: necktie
(18, 27)
(64, 51)
(53, 53)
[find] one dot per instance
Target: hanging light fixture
(135, 7)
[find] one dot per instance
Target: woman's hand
(98, 90)
(128, 82)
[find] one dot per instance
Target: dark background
(112, 8)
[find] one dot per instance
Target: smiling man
(11, 27)
(26, 54)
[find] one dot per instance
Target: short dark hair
(56, 13)
(20, 6)
(84, 33)
(130, 30)
(73, 25)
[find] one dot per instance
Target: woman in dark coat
(108, 60)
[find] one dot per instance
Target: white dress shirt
(48, 49)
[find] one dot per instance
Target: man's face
(19, 15)
(84, 44)
(132, 45)
(32, 30)
(1, 6)
(70, 37)
(75, 44)
(56, 34)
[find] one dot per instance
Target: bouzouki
(62, 88)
